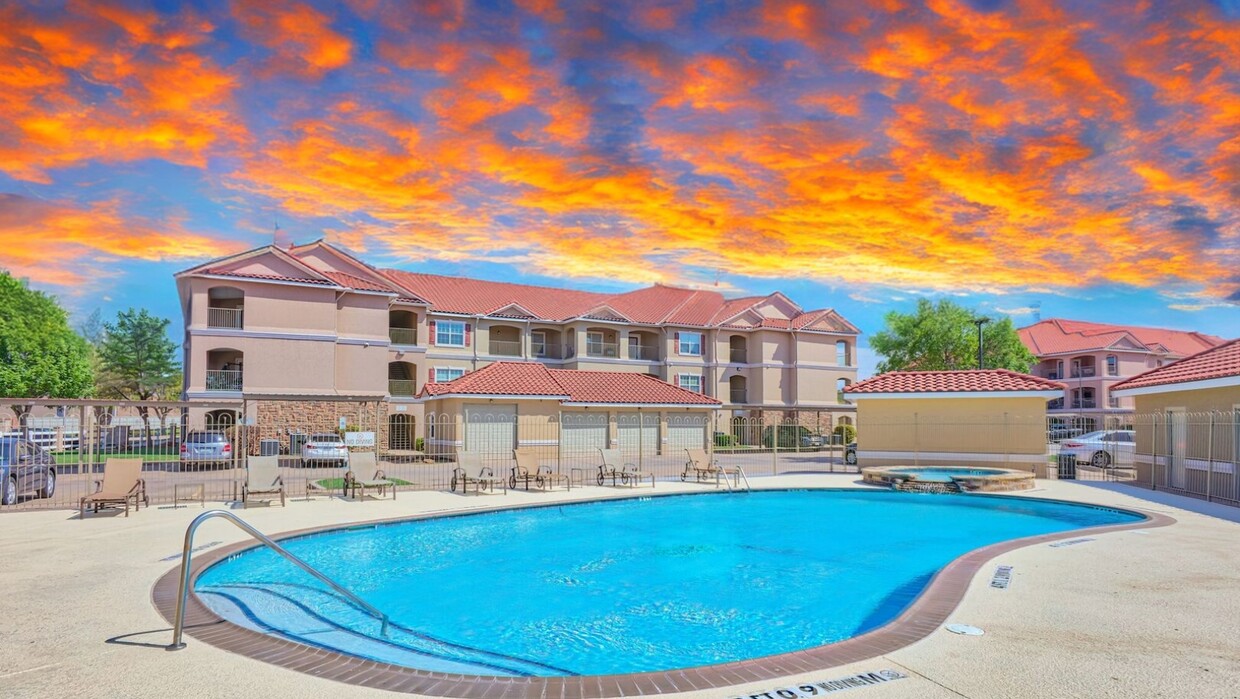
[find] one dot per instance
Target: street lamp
(979, 322)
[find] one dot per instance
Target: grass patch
(72, 457)
(338, 483)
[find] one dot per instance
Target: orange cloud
(300, 37)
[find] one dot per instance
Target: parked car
(324, 447)
(850, 453)
(206, 447)
(1057, 433)
(812, 440)
(1102, 449)
(25, 468)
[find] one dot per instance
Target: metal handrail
(178, 626)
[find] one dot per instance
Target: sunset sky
(1082, 157)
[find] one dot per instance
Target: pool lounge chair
(470, 470)
(262, 477)
(528, 469)
(122, 482)
(614, 467)
(366, 462)
(702, 468)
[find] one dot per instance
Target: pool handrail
(178, 626)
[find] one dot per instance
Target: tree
(40, 356)
(942, 336)
(137, 361)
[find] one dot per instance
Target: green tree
(942, 336)
(40, 356)
(137, 360)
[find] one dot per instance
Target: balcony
(1056, 404)
(224, 318)
(738, 356)
(739, 396)
(403, 336)
(400, 387)
(1052, 375)
(648, 353)
(602, 349)
(1084, 404)
(1082, 372)
(224, 380)
(505, 348)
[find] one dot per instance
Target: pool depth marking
(814, 689)
(1001, 578)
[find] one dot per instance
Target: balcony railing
(545, 350)
(400, 387)
(1087, 403)
(403, 336)
(224, 318)
(224, 380)
(506, 348)
(648, 353)
(1084, 371)
(739, 396)
(738, 356)
(602, 349)
(1052, 375)
(1056, 404)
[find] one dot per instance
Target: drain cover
(965, 629)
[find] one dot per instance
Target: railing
(1079, 372)
(738, 356)
(224, 318)
(1056, 404)
(1052, 375)
(602, 349)
(739, 396)
(506, 348)
(224, 380)
(400, 387)
(403, 336)
(178, 626)
(1079, 404)
(545, 350)
(648, 353)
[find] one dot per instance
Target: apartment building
(1090, 358)
(315, 322)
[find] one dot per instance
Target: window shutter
(468, 328)
(431, 342)
(676, 342)
(430, 375)
(676, 379)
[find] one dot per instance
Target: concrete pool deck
(1142, 613)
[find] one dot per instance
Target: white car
(324, 447)
(1103, 449)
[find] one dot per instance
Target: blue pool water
(945, 474)
(626, 586)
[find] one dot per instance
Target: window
(691, 344)
(1113, 401)
(446, 374)
(538, 343)
(691, 382)
(841, 353)
(1112, 365)
(450, 333)
(594, 343)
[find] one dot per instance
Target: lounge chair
(366, 461)
(614, 467)
(469, 470)
(701, 467)
(528, 469)
(262, 477)
(122, 482)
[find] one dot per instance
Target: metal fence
(197, 452)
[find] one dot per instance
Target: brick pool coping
(927, 613)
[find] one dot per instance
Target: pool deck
(1136, 613)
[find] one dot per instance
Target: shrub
(419, 444)
(847, 433)
(723, 439)
(789, 435)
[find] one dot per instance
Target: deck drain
(964, 630)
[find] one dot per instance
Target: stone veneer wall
(275, 419)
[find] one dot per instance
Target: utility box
(269, 447)
(295, 440)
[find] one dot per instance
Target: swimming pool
(625, 586)
(970, 479)
(945, 473)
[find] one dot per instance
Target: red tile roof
(350, 281)
(571, 386)
(970, 381)
(1215, 363)
(1059, 336)
(225, 272)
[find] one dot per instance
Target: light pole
(979, 322)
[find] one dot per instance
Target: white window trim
(439, 333)
(447, 369)
(682, 378)
(534, 344)
(701, 342)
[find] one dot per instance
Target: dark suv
(25, 468)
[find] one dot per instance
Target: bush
(789, 435)
(723, 439)
(847, 433)
(419, 444)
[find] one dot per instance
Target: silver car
(1102, 449)
(324, 447)
(206, 447)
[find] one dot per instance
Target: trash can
(269, 447)
(295, 440)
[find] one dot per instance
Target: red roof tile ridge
(1175, 372)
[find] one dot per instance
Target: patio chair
(528, 469)
(262, 477)
(470, 470)
(701, 467)
(366, 461)
(122, 482)
(614, 467)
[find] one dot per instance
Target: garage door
(583, 434)
(638, 432)
(686, 433)
(491, 429)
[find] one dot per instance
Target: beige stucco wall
(362, 316)
(271, 307)
(1150, 424)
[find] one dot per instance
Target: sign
(1069, 542)
(814, 689)
(1002, 577)
(359, 439)
(343, 424)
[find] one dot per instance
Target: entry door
(1177, 446)
(686, 433)
(582, 434)
(491, 429)
(639, 433)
